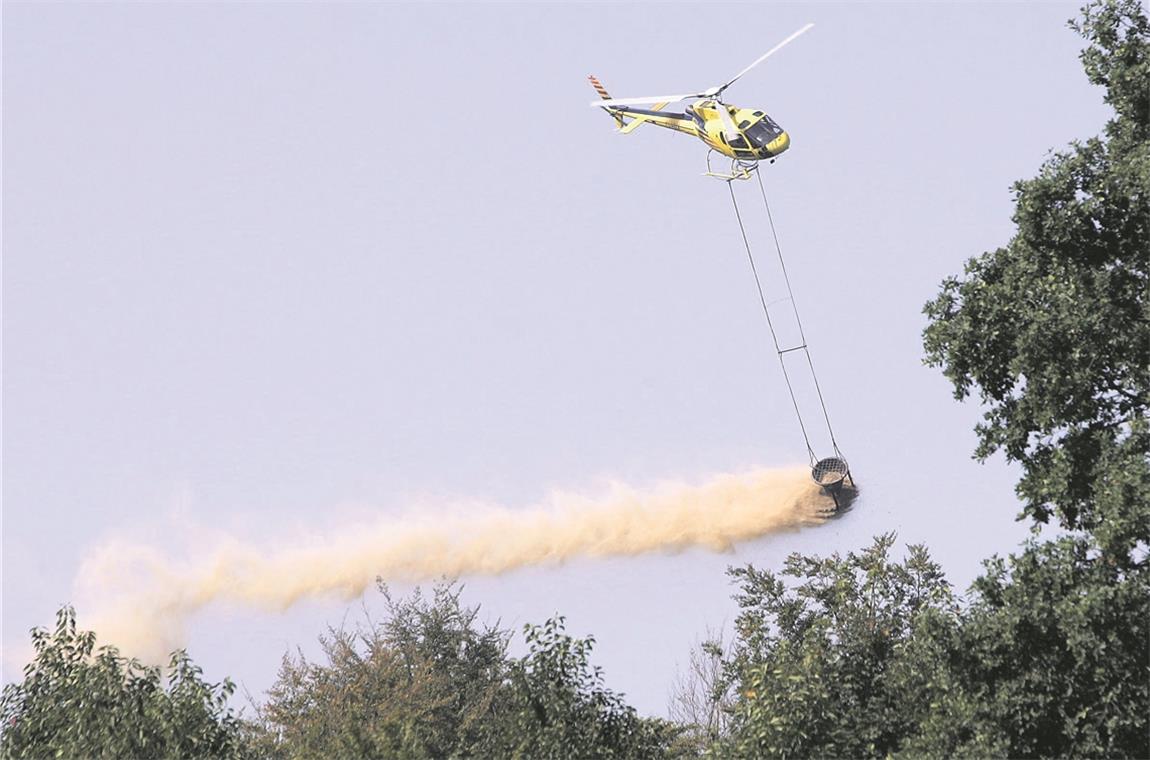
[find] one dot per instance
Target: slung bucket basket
(830, 473)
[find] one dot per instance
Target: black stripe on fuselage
(645, 112)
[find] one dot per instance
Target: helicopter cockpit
(763, 132)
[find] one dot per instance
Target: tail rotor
(599, 88)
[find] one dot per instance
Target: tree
(1052, 659)
(703, 698)
(1053, 330)
(844, 661)
(77, 701)
(561, 708)
(423, 683)
(431, 681)
(864, 657)
(1053, 656)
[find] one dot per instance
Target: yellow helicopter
(745, 135)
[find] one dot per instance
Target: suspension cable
(770, 325)
(794, 308)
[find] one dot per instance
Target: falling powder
(143, 600)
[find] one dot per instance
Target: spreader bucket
(833, 475)
(830, 473)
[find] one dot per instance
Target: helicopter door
(738, 143)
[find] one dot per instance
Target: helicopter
(745, 135)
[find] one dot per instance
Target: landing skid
(739, 169)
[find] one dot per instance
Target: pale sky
(270, 266)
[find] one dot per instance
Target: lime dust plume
(143, 600)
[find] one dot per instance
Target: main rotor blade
(764, 57)
(729, 127)
(643, 101)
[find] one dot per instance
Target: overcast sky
(271, 266)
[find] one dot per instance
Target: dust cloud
(142, 600)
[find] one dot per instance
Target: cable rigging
(829, 472)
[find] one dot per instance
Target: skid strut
(739, 169)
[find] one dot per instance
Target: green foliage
(560, 707)
(861, 656)
(1053, 330)
(1052, 660)
(1053, 656)
(77, 701)
(844, 662)
(1117, 60)
(421, 684)
(430, 681)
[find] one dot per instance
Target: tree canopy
(79, 701)
(432, 681)
(864, 656)
(1053, 329)
(843, 662)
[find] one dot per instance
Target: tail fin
(599, 88)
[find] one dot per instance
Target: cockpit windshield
(763, 132)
